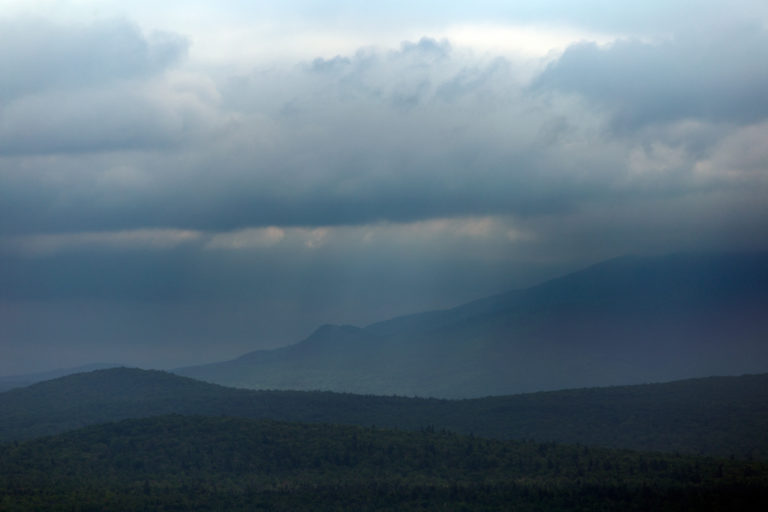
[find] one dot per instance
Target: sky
(186, 181)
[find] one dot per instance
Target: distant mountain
(624, 321)
(17, 381)
(715, 416)
(212, 464)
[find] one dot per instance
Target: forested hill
(197, 463)
(718, 416)
(624, 321)
(18, 381)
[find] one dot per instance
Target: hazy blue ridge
(624, 321)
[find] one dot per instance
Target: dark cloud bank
(709, 77)
(396, 180)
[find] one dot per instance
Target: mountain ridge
(626, 320)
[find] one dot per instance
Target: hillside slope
(715, 416)
(22, 380)
(625, 321)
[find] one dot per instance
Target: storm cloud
(714, 77)
(283, 168)
(45, 56)
(423, 131)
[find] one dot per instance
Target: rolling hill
(624, 321)
(22, 380)
(713, 416)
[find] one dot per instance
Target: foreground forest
(204, 463)
(131, 439)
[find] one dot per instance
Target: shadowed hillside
(19, 381)
(717, 416)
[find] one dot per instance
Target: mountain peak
(334, 337)
(627, 320)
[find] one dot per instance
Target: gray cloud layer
(422, 132)
(714, 77)
(45, 56)
(79, 89)
(353, 187)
